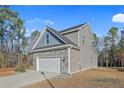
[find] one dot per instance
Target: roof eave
(55, 48)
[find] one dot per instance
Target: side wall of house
(88, 56)
(74, 61)
(94, 59)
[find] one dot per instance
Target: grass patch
(20, 69)
(105, 80)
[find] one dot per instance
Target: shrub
(20, 69)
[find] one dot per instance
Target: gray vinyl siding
(53, 40)
(73, 36)
(94, 59)
(88, 56)
(74, 61)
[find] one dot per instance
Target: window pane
(47, 38)
(47, 41)
(47, 35)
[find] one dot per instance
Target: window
(47, 40)
(83, 39)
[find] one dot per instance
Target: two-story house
(65, 52)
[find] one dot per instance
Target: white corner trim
(37, 64)
(69, 60)
(41, 34)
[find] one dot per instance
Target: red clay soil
(7, 71)
(93, 78)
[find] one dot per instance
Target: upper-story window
(83, 39)
(47, 39)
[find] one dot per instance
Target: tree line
(110, 48)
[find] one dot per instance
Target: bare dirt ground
(93, 78)
(7, 72)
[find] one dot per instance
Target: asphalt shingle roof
(71, 28)
(61, 36)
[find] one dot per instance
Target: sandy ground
(93, 78)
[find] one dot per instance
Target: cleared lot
(99, 77)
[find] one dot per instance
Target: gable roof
(56, 33)
(74, 27)
(61, 36)
(33, 42)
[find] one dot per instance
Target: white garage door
(48, 64)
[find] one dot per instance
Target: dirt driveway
(95, 78)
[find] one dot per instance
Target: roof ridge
(73, 27)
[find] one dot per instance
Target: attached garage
(48, 64)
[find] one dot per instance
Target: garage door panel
(49, 64)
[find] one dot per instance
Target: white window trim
(46, 39)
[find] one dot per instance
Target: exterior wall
(73, 36)
(82, 59)
(74, 61)
(63, 54)
(85, 58)
(88, 56)
(94, 59)
(53, 40)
